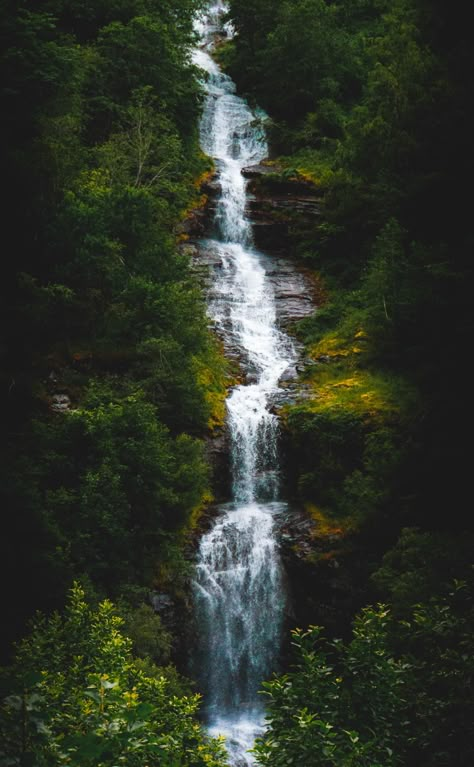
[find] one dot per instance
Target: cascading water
(239, 590)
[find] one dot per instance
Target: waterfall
(239, 592)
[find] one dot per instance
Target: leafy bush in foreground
(77, 697)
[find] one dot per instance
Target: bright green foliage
(341, 705)
(77, 697)
(398, 693)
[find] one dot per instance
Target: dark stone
(161, 602)
(211, 187)
(195, 223)
(318, 574)
(257, 171)
(218, 455)
(276, 204)
(293, 290)
(60, 403)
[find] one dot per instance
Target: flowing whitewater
(239, 591)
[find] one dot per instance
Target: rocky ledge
(277, 202)
(320, 563)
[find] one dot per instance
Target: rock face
(198, 219)
(257, 171)
(218, 454)
(321, 571)
(295, 298)
(161, 603)
(294, 291)
(276, 203)
(293, 286)
(60, 403)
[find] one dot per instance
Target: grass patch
(356, 391)
(215, 376)
(311, 166)
(333, 346)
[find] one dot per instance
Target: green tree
(340, 705)
(77, 697)
(397, 694)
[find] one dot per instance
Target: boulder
(161, 602)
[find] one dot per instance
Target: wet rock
(296, 533)
(207, 255)
(303, 365)
(212, 187)
(265, 207)
(161, 602)
(319, 573)
(195, 223)
(60, 403)
(189, 250)
(293, 290)
(290, 392)
(218, 455)
(288, 375)
(276, 204)
(257, 171)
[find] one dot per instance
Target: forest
(113, 383)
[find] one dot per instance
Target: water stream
(239, 591)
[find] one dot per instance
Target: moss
(360, 392)
(344, 437)
(310, 166)
(344, 379)
(194, 518)
(334, 346)
(215, 376)
(197, 199)
(215, 393)
(206, 176)
(326, 525)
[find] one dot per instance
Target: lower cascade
(239, 591)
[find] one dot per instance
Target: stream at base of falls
(239, 588)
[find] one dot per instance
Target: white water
(239, 589)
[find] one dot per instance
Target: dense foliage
(399, 693)
(104, 340)
(78, 697)
(371, 101)
(370, 105)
